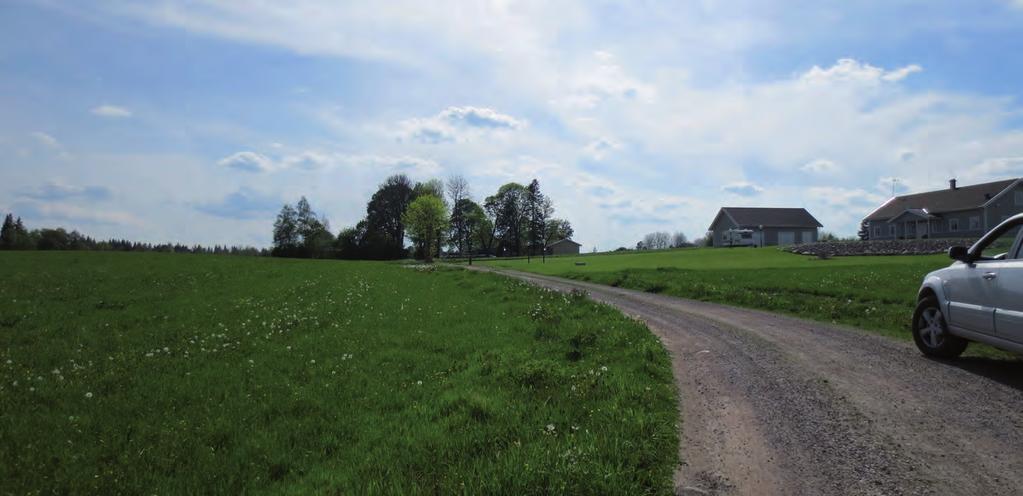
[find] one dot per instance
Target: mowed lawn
(876, 293)
(187, 374)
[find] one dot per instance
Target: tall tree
(864, 232)
(425, 218)
(8, 236)
(537, 210)
(384, 217)
(506, 207)
(475, 221)
(433, 187)
(458, 193)
(461, 230)
(314, 237)
(679, 240)
(286, 233)
(23, 240)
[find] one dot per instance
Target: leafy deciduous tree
(425, 218)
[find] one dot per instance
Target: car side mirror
(960, 253)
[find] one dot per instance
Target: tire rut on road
(772, 404)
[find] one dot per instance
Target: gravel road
(779, 405)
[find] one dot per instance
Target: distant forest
(516, 220)
(437, 217)
(15, 236)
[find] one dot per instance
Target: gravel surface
(772, 404)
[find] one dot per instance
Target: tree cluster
(434, 215)
(299, 233)
(15, 236)
(662, 240)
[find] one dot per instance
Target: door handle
(990, 275)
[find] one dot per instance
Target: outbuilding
(563, 247)
(769, 226)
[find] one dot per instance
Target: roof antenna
(894, 181)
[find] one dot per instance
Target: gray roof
(768, 217)
(942, 200)
(566, 240)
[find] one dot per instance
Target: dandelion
(88, 395)
(166, 349)
(312, 361)
(603, 368)
(419, 383)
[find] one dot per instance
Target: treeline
(439, 218)
(663, 240)
(15, 236)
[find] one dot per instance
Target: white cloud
(819, 166)
(318, 160)
(600, 148)
(457, 124)
(111, 111)
(56, 190)
(994, 169)
(51, 213)
(742, 189)
(853, 71)
(46, 140)
(247, 161)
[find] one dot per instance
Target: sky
(195, 121)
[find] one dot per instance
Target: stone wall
(879, 247)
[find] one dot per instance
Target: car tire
(930, 331)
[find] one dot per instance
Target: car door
(973, 290)
(1009, 301)
(970, 290)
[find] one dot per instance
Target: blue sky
(194, 121)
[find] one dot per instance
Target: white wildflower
(88, 395)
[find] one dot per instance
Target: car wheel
(930, 331)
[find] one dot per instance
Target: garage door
(807, 237)
(786, 238)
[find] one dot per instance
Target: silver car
(977, 298)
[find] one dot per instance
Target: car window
(998, 249)
(1019, 243)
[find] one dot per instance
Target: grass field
(874, 293)
(183, 374)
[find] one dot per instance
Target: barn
(563, 247)
(770, 226)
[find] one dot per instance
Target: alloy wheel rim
(932, 330)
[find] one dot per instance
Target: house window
(953, 225)
(877, 231)
(891, 230)
(1019, 198)
(974, 223)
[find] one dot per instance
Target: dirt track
(779, 405)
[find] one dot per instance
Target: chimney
(952, 183)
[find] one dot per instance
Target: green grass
(873, 293)
(180, 374)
